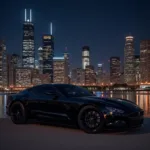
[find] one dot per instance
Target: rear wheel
(18, 113)
(90, 120)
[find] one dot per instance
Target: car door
(37, 100)
(54, 107)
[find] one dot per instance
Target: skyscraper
(85, 56)
(60, 67)
(78, 76)
(2, 49)
(129, 70)
(115, 70)
(48, 54)
(5, 70)
(137, 68)
(12, 64)
(28, 52)
(67, 67)
(40, 59)
(90, 75)
(3, 65)
(100, 74)
(145, 60)
(15, 60)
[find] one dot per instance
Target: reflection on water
(141, 98)
(3, 101)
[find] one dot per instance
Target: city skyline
(74, 32)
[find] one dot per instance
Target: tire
(87, 113)
(18, 113)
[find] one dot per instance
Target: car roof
(53, 84)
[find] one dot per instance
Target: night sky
(101, 24)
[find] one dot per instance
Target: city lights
(20, 72)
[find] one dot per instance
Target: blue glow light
(100, 65)
(58, 58)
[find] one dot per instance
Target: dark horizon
(100, 25)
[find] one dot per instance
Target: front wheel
(90, 120)
(18, 113)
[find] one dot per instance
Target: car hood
(112, 102)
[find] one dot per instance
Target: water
(141, 98)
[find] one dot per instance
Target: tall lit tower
(137, 68)
(40, 59)
(115, 70)
(145, 61)
(129, 70)
(3, 65)
(48, 53)
(85, 56)
(28, 50)
(99, 73)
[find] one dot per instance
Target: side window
(42, 90)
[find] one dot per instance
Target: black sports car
(74, 104)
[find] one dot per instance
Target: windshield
(73, 91)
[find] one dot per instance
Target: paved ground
(42, 137)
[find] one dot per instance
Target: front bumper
(133, 120)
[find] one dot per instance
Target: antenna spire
(30, 15)
(51, 28)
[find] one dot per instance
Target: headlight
(115, 110)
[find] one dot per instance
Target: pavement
(47, 137)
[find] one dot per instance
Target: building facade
(5, 70)
(129, 70)
(15, 58)
(78, 76)
(115, 70)
(2, 49)
(137, 69)
(145, 61)
(12, 63)
(11, 71)
(67, 67)
(60, 69)
(85, 56)
(90, 75)
(122, 78)
(99, 74)
(3, 66)
(48, 54)
(28, 50)
(40, 59)
(36, 80)
(23, 77)
(106, 78)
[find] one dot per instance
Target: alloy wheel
(92, 119)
